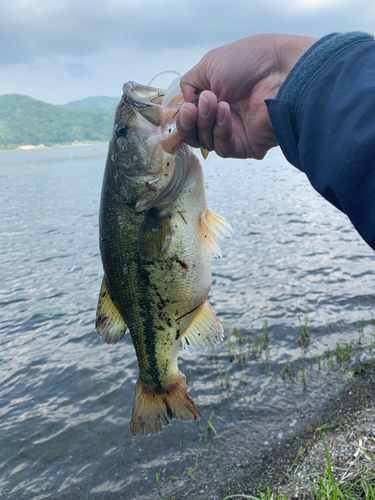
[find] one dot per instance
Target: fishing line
(163, 73)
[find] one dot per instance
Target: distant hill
(24, 120)
(93, 103)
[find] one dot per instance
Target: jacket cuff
(317, 56)
(283, 109)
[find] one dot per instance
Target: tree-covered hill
(24, 120)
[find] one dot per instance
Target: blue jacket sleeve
(324, 120)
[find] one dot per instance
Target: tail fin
(156, 407)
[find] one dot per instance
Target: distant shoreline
(56, 145)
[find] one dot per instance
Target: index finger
(194, 82)
(186, 124)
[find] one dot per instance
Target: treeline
(24, 120)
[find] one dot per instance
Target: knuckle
(222, 153)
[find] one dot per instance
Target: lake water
(294, 264)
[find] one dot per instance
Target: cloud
(77, 70)
(40, 28)
(64, 50)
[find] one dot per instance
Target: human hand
(232, 83)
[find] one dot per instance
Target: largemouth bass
(156, 237)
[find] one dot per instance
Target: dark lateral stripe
(150, 344)
(148, 334)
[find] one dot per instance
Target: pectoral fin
(154, 235)
(204, 330)
(208, 236)
(109, 323)
(218, 224)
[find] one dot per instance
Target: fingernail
(203, 106)
(186, 118)
(220, 114)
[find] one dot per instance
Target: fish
(156, 238)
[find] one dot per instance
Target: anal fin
(109, 323)
(154, 408)
(204, 330)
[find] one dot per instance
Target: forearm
(324, 120)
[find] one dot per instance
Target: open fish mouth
(156, 110)
(158, 106)
(143, 95)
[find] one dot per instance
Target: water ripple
(66, 399)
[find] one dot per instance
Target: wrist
(291, 49)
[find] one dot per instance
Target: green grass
(304, 339)
(304, 380)
(191, 470)
(328, 489)
(209, 429)
(325, 487)
(227, 376)
(288, 370)
(258, 343)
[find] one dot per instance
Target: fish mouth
(158, 106)
(145, 96)
(142, 95)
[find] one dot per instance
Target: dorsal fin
(204, 330)
(109, 323)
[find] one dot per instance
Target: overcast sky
(63, 50)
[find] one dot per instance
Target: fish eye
(121, 129)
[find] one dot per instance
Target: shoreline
(56, 145)
(283, 468)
